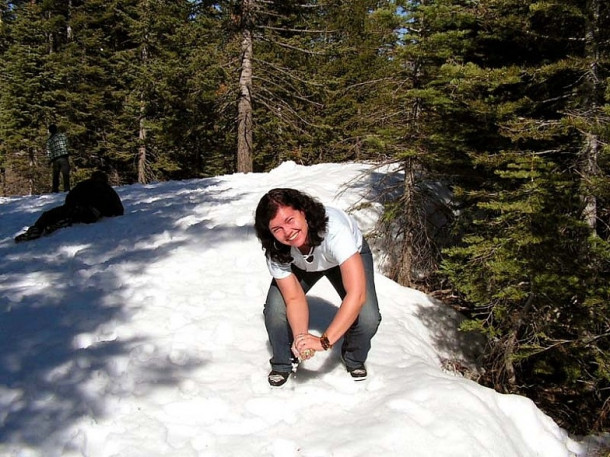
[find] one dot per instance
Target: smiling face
(289, 226)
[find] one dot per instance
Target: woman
(303, 241)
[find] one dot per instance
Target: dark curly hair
(267, 208)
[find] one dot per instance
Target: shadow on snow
(59, 358)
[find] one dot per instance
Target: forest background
(494, 113)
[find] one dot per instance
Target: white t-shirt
(342, 240)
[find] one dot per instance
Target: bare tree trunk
(142, 129)
(405, 269)
(590, 169)
(32, 164)
(50, 38)
(589, 161)
(68, 27)
(244, 106)
(142, 148)
(512, 344)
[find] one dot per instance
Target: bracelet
(324, 342)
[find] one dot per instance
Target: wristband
(325, 343)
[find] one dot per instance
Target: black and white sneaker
(278, 378)
(358, 374)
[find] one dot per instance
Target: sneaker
(31, 234)
(358, 374)
(277, 378)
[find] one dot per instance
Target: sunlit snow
(143, 336)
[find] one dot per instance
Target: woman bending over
(303, 241)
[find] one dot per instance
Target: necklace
(309, 256)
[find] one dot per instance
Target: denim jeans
(356, 341)
(61, 165)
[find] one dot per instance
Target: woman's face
(289, 226)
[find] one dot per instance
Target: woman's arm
(297, 309)
(354, 281)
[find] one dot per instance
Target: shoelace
(276, 377)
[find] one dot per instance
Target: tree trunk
(68, 27)
(32, 166)
(405, 269)
(142, 129)
(589, 170)
(589, 161)
(244, 106)
(512, 344)
(142, 148)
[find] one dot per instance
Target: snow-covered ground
(143, 336)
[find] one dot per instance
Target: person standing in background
(57, 151)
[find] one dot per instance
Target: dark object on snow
(88, 202)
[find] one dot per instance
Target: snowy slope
(143, 336)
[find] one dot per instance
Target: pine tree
(202, 128)
(22, 112)
(532, 262)
(426, 133)
(276, 49)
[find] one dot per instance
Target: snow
(143, 336)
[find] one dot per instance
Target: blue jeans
(356, 341)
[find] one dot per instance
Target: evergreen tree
(202, 127)
(22, 112)
(361, 74)
(532, 263)
(280, 90)
(195, 127)
(112, 74)
(130, 69)
(155, 29)
(426, 133)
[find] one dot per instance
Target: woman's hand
(305, 346)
